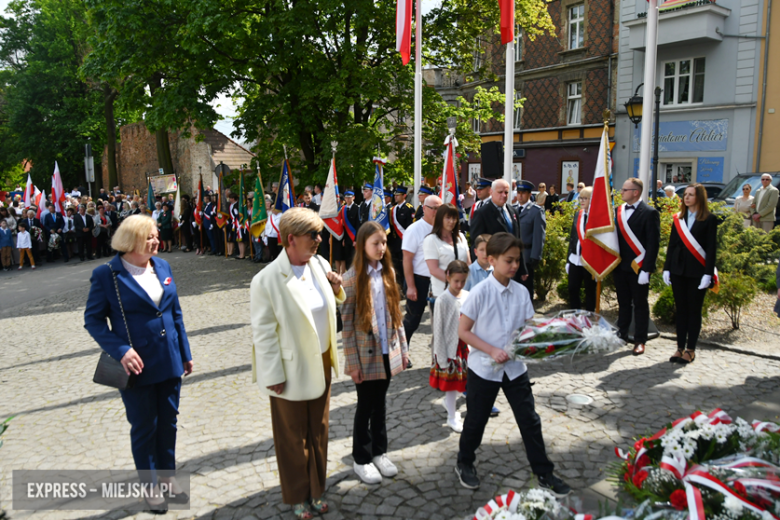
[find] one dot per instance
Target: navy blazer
(52, 222)
(681, 262)
(157, 331)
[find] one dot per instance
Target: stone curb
(720, 346)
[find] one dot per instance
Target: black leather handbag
(109, 371)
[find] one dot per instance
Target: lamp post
(634, 110)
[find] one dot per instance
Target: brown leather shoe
(639, 349)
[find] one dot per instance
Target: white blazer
(285, 347)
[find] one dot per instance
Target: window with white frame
(574, 103)
(478, 56)
(476, 122)
(684, 81)
(518, 112)
(518, 43)
(577, 26)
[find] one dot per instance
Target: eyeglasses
(434, 208)
(629, 189)
(745, 189)
(313, 234)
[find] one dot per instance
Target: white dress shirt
(379, 302)
(317, 304)
(23, 240)
(576, 258)
(413, 242)
(497, 312)
(147, 279)
(691, 219)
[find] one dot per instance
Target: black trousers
(632, 300)
(579, 277)
(349, 251)
(85, 243)
(273, 247)
(369, 437)
(415, 309)
(688, 301)
(398, 265)
(479, 402)
(102, 245)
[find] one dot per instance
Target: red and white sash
(630, 237)
(694, 248)
(399, 229)
(273, 225)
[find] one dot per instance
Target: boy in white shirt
(24, 245)
(494, 309)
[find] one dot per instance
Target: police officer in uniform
(533, 226)
(365, 206)
(388, 200)
(482, 186)
(424, 192)
(401, 216)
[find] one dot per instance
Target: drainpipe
(763, 87)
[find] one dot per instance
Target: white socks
(449, 403)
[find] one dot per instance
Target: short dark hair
(23, 225)
(457, 267)
(502, 242)
(483, 238)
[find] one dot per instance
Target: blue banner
(286, 197)
(378, 210)
(689, 136)
(710, 169)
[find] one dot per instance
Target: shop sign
(689, 136)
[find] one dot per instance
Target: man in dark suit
(31, 221)
(639, 229)
(401, 217)
(84, 224)
(421, 196)
(496, 216)
(365, 206)
(353, 217)
(533, 228)
(53, 223)
(571, 193)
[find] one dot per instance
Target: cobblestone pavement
(64, 421)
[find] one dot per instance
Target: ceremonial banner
(450, 193)
(286, 197)
(600, 249)
(259, 212)
(329, 210)
(243, 212)
(164, 183)
(57, 191)
(403, 29)
(221, 203)
(177, 206)
(199, 203)
(378, 211)
(150, 198)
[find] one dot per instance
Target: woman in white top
(742, 205)
(445, 244)
(157, 211)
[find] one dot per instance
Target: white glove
(567, 267)
(667, 278)
(706, 280)
(644, 278)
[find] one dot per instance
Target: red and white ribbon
(693, 246)
(760, 426)
(630, 237)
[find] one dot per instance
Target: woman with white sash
(579, 276)
(690, 267)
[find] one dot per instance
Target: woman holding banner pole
(690, 267)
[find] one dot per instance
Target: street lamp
(634, 110)
(634, 107)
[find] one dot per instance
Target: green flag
(259, 213)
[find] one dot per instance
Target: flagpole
(509, 111)
(651, 51)
(417, 103)
(598, 297)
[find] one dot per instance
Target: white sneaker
(455, 423)
(385, 467)
(367, 473)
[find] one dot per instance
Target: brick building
(567, 80)
(137, 157)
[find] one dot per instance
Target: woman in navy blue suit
(160, 351)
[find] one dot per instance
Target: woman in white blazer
(293, 311)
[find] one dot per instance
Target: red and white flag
(39, 200)
(449, 180)
(507, 8)
(600, 249)
(29, 192)
(57, 191)
(329, 210)
(403, 29)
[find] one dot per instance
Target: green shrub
(664, 308)
(552, 267)
(563, 289)
(736, 292)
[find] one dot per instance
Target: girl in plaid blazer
(374, 347)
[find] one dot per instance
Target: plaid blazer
(362, 349)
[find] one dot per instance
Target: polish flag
(29, 192)
(507, 8)
(39, 201)
(57, 191)
(329, 210)
(600, 249)
(403, 29)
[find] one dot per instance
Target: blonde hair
(587, 192)
(131, 235)
(298, 222)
